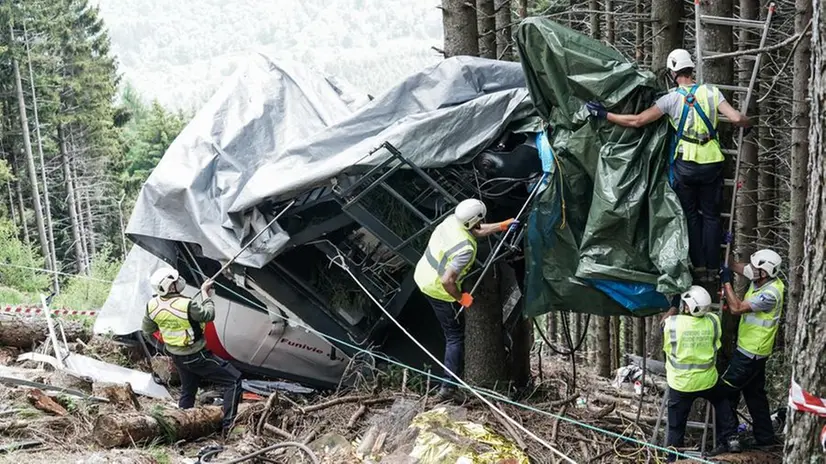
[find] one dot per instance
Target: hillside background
(179, 51)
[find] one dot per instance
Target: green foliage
(18, 261)
(146, 138)
(13, 296)
(90, 293)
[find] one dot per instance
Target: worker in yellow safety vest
(691, 338)
(449, 256)
(181, 321)
(759, 311)
(695, 157)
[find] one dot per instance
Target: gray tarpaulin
(275, 129)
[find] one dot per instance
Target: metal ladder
(699, 20)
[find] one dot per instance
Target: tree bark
(19, 190)
(809, 360)
(552, 327)
(609, 21)
(25, 332)
(503, 30)
(799, 162)
(124, 429)
(655, 339)
(52, 257)
(746, 212)
(80, 260)
(603, 339)
(520, 365)
(639, 35)
(666, 28)
(484, 338)
(486, 25)
(27, 146)
(593, 5)
(639, 336)
(461, 33)
(90, 228)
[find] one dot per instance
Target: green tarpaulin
(609, 216)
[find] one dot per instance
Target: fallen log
(746, 457)
(25, 332)
(125, 429)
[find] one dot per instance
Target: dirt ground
(373, 415)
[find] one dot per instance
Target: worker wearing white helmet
(449, 256)
(759, 312)
(181, 322)
(694, 154)
(691, 338)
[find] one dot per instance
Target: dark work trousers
(205, 366)
(748, 376)
(454, 331)
(679, 406)
(700, 189)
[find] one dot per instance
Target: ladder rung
(724, 21)
(734, 88)
(725, 215)
(729, 151)
(728, 182)
(697, 425)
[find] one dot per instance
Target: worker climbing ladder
(700, 20)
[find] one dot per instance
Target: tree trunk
(720, 39)
(126, 429)
(666, 28)
(520, 365)
(484, 339)
(655, 339)
(52, 257)
(593, 5)
(80, 260)
(523, 9)
(27, 145)
(639, 336)
(639, 35)
(486, 24)
(12, 208)
(616, 348)
(746, 211)
(809, 360)
(603, 338)
(503, 30)
(799, 162)
(90, 228)
(551, 330)
(25, 332)
(628, 335)
(461, 33)
(79, 205)
(19, 190)
(609, 22)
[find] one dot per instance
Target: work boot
(446, 393)
(734, 445)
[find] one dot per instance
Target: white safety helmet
(471, 212)
(697, 301)
(167, 280)
(766, 260)
(679, 59)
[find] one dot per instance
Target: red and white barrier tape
(801, 400)
(33, 310)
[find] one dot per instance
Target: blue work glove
(725, 275)
(596, 109)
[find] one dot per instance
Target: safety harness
(689, 102)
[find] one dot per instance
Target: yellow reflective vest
(448, 239)
(690, 344)
(172, 317)
(757, 331)
(696, 143)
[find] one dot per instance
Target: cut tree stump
(25, 332)
(120, 395)
(124, 429)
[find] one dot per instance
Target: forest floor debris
(370, 423)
